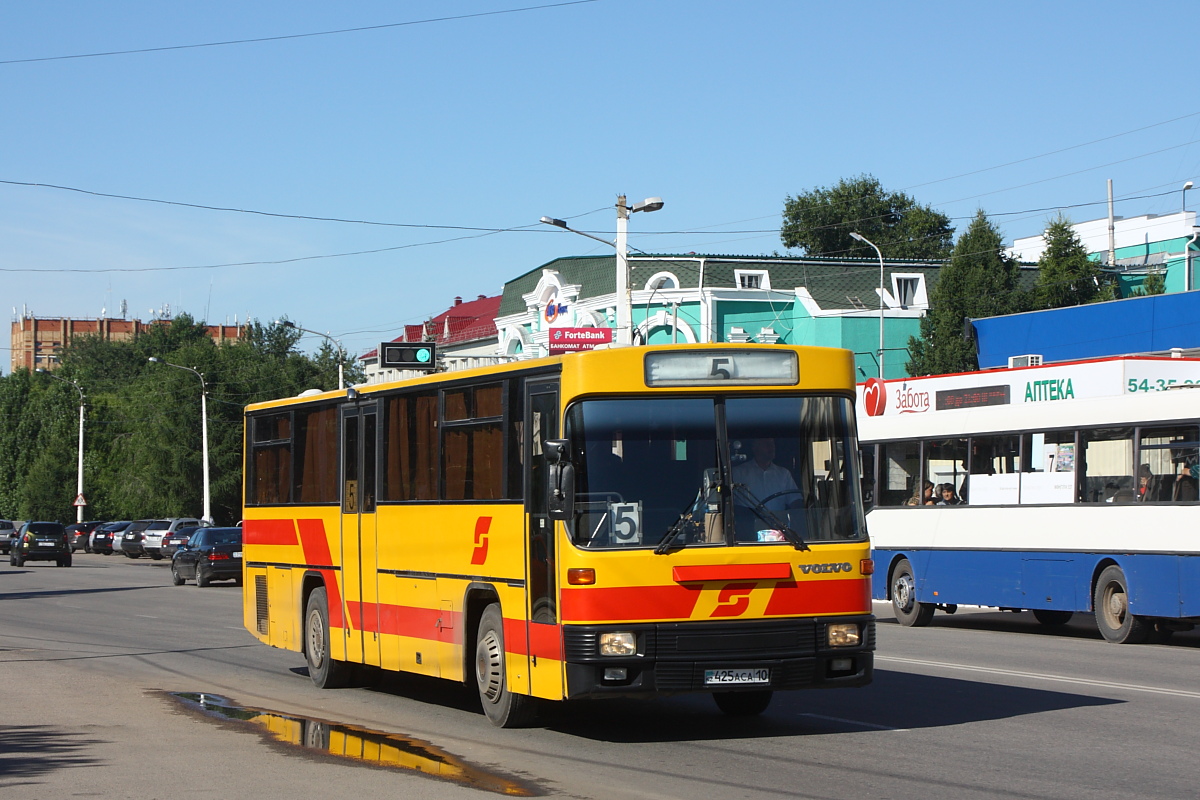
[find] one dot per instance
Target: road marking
(856, 722)
(146, 616)
(1132, 687)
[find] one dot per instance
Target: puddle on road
(357, 744)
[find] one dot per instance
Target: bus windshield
(705, 471)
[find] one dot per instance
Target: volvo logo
(822, 568)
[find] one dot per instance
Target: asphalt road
(980, 705)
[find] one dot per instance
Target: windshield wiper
(769, 516)
(686, 517)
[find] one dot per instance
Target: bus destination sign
(975, 397)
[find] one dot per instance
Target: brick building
(37, 340)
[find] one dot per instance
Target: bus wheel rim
(903, 591)
(489, 668)
(316, 640)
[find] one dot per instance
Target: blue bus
(1053, 489)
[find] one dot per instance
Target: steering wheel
(769, 498)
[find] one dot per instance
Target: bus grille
(261, 615)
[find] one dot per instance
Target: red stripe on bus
(269, 531)
(543, 641)
(316, 551)
(851, 596)
(629, 603)
(731, 572)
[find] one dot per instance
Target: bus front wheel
(1111, 602)
(325, 671)
(909, 611)
(503, 708)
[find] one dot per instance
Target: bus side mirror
(560, 488)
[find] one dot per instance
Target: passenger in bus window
(1185, 489)
(946, 495)
(926, 497)
(1147, 484)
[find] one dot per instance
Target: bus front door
(360, 580)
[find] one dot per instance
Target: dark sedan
(41, 541)
(210, 554)
(80, 535)
(102, 537)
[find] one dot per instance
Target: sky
(441, 131)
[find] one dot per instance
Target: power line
(297, 35)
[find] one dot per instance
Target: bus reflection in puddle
(358, 744)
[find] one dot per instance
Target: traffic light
(402, 355)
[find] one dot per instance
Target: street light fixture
(859, 237)
(207, 516)
(1186, 186)
(341, 353)
(79, 480)
(624, 300)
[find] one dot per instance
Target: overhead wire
(285, 37)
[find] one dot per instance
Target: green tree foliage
(1153, 283)
(980, 280)
(1066, 275)
(143, 442)
(820, 222)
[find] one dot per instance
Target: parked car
(103, 536)
(132, 539)
(173, 541)
(8, 532)
(159, 529)
(211, 554)
(41, 541)
(80, 535)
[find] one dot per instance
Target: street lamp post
(341, 353)
(624, 299)
(859, 237)
(1186, 186)
(207, 516)
(79, 478)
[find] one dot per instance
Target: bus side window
(899, 473)
(1108, 475)
(1172, 455)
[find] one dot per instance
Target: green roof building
(831, 302)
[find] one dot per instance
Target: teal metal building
(832, 302)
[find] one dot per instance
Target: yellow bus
(626, 522)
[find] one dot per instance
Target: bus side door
(360, 575)
(544, 637)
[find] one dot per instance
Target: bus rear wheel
(909, 611)
(743, 704)
(1053, 619)
(1111, 602)
(323, 669)
(503, 708)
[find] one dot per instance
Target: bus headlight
(843, 634)
(618, 644)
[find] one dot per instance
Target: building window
(752, 278)
(662, 280)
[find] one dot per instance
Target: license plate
(721, 677)
(238, 554)
(46, 543)
(174, 541)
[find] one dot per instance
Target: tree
(142, 454)
(1067, 276)
(1153, 283)
(980, 280)
(820, 222)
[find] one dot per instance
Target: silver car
(152, 537)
